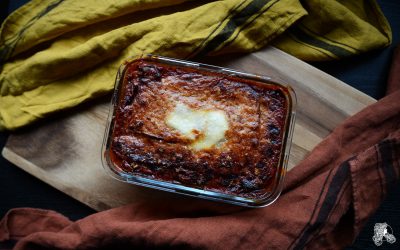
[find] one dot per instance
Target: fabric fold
(316, 37)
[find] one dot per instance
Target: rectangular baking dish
(176, 187)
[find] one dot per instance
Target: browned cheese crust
(244, 164)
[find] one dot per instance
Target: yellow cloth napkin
(55, 54)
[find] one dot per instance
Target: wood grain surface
(66, 152)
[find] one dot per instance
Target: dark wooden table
(367, 72)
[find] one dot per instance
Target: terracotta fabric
(326, 200)
(394, 75)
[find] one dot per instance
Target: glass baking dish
(112, 155)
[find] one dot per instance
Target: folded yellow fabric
(56, 54)
(334, 29)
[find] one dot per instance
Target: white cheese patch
(205, 128)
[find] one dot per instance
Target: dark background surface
(367, 72)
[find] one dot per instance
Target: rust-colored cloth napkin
(326, 201)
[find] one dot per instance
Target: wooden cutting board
(65, 151)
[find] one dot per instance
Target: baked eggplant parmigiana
(200, 129)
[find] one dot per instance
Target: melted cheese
(204, 128)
